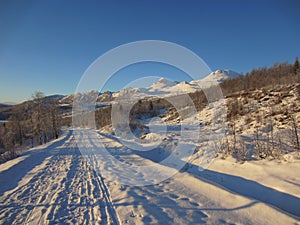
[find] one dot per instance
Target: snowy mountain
(53, 97)
(165, 87)
(162, 83)
(130, 92)
(220, 76)
(105, 97)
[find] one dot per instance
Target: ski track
(62, 190)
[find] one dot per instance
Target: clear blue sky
(47, 45)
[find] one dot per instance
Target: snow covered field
(54, 184)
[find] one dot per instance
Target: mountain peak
(220, 75)
(162, 83)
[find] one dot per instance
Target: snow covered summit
(162, 83)
(215, 77)
(221, 75)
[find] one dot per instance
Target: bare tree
(38, 115)
(243, 151)
(259, 146)
(16, 125)
(9, 142)
(295, 137)
(225, 147)
(55, 119)
(233, 132)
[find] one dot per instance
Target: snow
(161, 84)
(55, 184)
(164, 87)
(220, 75)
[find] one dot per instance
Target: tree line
(31, 123)
(276, 75)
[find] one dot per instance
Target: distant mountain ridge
(165, 87)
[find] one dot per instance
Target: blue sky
(47, 45)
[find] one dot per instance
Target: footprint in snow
(174, 196)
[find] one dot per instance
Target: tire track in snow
(63, 190)
(53, 185)
(100, 180)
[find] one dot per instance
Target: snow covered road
(54, 184)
